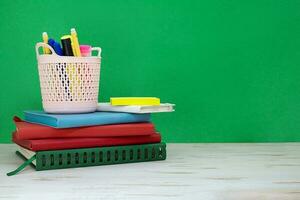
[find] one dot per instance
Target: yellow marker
(75, 43)
(45, 40)
(122, 101)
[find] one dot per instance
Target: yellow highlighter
(75, 43)
(45, 40)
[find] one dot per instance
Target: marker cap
(86, 50)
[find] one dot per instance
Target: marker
(66, 45)
(56, 46)
(75, 43)
(45, 40)
(70, 68)
(85, 50)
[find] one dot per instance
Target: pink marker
(86, 50)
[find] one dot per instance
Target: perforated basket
(68, 84)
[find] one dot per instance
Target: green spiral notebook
(71, 158)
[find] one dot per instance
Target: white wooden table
(191, 171)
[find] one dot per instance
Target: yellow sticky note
(122, 101)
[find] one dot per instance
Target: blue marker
(56, 46)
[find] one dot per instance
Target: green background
(231, 67)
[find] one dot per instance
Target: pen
(45, 40)
(75, 43)
(56, 46)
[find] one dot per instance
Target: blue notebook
(86, 119)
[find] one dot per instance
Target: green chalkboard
(231, 67)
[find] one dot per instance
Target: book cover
(85, 119)
(71, 143)
(27, 131)
(164, 107)
(84, 157)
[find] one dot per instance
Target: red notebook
(75, 143)
(27, 130)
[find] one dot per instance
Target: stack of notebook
(117, 133)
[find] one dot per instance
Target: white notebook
(164, 107)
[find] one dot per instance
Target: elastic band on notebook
(21, 167)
